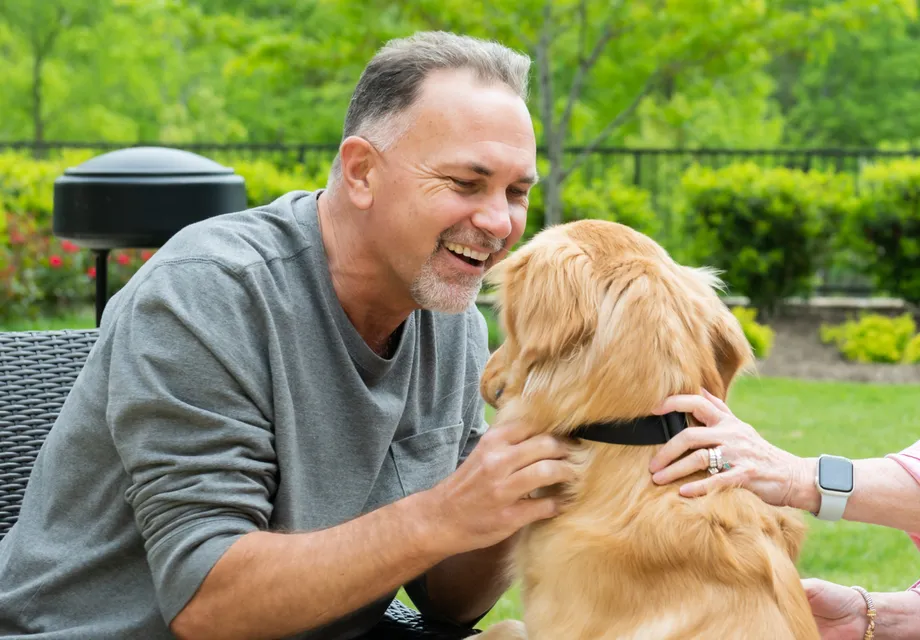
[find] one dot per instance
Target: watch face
(835, 474)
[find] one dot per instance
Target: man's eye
(517, 193)
(464, 184)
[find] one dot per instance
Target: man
(280, 423)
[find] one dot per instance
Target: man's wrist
(428, 528)
(804, 494)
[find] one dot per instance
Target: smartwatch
(834, 480)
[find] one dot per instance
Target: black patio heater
(138, 198)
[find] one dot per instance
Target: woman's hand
(839, 611)
(777, 476)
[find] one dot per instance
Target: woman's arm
(884, 493)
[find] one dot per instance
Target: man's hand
(480, 508)
(839, 611)
(485, 501)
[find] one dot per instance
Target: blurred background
(777, 141)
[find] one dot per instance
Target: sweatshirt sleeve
(909, 459)
(190, 415)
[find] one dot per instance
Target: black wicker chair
(37, 370)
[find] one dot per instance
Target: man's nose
(494, 217)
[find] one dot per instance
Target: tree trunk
(38, 122)
(552, 186)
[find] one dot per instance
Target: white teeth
(459, 249)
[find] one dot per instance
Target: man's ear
(358, 159)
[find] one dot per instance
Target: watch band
(832, 507)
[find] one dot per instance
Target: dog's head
(600, 323)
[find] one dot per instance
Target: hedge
(40, 274)
(769, 230)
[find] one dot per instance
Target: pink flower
(55, 261)
(91, 272)
(146, 255)
(69, 246)
(123, 259)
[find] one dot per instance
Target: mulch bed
(799, 353)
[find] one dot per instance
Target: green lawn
(79, 319)
(808, 418)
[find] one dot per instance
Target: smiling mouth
(470, 256)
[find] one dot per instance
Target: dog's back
(602, 325)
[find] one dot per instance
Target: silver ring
(715, 460)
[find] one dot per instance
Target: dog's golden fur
(602, 324)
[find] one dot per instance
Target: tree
(41, 26)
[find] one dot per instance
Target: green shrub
(760, 336)
(496, 337)
(608, 199)
(912, 351)
(884, 228)
(872, 338)
(265, 182)
(42, 275)
(766, 230)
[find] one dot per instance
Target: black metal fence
(656, 170)
(650, 168)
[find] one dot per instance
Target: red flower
(146, 255)
(69, 246)
(91, 272)
(55, 261)
(123, 259)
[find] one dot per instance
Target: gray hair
(391, 82)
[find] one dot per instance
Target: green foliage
(760, 336)
(41, 274)
(496, 336)
(608, 199)
(884, 229)
(873, 338)
(912, 351)
(766, 230)
(265, 182)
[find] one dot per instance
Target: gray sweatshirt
(227, 393)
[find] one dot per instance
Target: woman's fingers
(732, 478)
(696, 461)
(701, 408)
(689, 438)
(719, 403)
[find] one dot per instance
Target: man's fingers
(531, 510)
(540, 474)
(689, 438)
(697, 461)
(701, 408)
(511, 432)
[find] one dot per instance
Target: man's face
(451, 195)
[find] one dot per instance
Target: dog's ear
(550, 301)
(730, 347)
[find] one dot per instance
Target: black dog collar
(641, 431)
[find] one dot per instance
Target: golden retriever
(602, 324)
